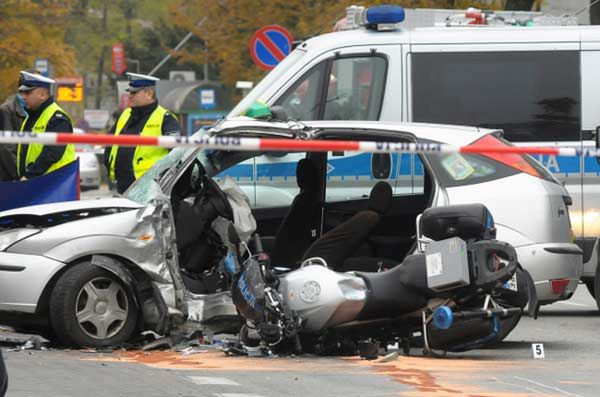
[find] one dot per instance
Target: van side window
(348, 88)
(533, 96)
(355, 89)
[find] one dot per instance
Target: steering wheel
(218, 198)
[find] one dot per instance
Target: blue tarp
(57, 186)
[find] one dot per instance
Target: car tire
(91, 307)
(591, 285)
(3, 376)
(596, 293)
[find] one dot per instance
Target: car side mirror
(381, 165)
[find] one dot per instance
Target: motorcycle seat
(398, 291)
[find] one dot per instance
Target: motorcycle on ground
(452, 297)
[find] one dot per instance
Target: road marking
(211, 380)
(237, 395)
(548, 387)
(517, 386)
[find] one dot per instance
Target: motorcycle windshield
(248, 292)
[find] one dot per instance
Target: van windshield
(290, 61)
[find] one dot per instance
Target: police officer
(43, 115)
(145, 117)
(12, 115)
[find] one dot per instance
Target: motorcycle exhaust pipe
(444, 317)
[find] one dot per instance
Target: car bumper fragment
(547, 262)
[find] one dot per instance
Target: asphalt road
(566, 329)
(570, 368)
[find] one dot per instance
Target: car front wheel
(91, 307)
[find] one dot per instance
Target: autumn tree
(32, 29)
(226, 26)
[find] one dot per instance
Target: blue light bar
(384, 14)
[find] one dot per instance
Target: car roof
(449, 134)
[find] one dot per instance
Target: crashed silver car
(97, 272)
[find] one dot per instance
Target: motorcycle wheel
(506, 326)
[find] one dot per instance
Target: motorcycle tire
(506, 327)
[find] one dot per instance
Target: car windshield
(292, 60)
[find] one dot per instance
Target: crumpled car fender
(154, 311)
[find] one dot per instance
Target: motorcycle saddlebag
(469, 221)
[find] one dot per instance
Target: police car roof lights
(384, 17)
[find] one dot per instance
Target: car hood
(69, 206)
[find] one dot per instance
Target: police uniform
(36, 159)
(127, 164)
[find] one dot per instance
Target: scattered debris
(389, 357)
(188, 351)
(22, 341)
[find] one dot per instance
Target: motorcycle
(452, 295)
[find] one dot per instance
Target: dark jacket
(12, 115)
(124, 161)
(59, 122)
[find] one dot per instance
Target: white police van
(541, 85)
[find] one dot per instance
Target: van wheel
(91, 307)
(596, 288)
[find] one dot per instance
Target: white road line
(516, 386)
(237, 395)
(211, 380)
(548, 387)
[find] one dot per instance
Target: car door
(269, 181)
(348, 183)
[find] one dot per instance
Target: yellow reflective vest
(144, 156)
(35, 149)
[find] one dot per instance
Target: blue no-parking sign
(269, 45)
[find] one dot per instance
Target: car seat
(297, 230)
(345, 239)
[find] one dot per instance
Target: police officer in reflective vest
(145, 117)
(43, 115)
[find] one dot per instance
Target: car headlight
(10, 237)
(91, 163)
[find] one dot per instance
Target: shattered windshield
(148, 186)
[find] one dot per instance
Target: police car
(538, 84)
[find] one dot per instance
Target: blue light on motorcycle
(443, 317)
(385, 14)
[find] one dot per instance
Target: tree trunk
(102, 56)
(519, 5)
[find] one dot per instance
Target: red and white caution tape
(272, 144)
